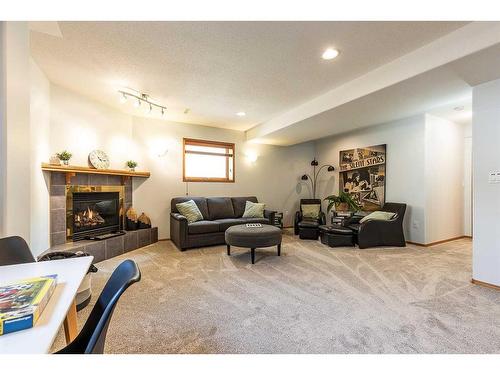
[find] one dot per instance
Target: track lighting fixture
(139, 99)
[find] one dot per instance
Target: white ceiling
(436, 92)
(219, 68)
(434, 79)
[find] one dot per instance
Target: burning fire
(88, 218)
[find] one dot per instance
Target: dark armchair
(373, 233)
(308, 228)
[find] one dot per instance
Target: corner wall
(39, 139)
(444, 179)
(16, 182)
(486, 195)
(3, 126)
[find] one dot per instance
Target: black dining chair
(14, 250)
(91, 338)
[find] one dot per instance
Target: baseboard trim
(486, 285)
(437, 242)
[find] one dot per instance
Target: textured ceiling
(219, 68)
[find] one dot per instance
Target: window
(208, 161)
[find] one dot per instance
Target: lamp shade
(314, 163)
(330, 168)
(304, 177)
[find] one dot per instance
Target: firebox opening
(95, 213)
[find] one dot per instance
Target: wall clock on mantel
(99, 159)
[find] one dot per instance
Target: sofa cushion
(254, 210)
(203, 226)
(239, 204)
(190, 210)
(226, 223)
(309, 223)
(378, 215)
(200, 202)
(310, 211)
(220, 208)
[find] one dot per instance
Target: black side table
(339, 218)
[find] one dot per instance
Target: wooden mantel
(72, 170)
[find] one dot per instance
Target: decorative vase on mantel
(65, 162)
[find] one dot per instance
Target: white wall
(405, 165)
(486, 196)
(468, 180)
(273, 178)
(40, 138)
(16, 185)
(80, 125)
(444, 179)
(3, 127)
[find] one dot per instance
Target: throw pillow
(310, 211)
(254, 209)
(190, 210)
(378, 215)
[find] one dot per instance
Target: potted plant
(131, 165)
(64, 156)
(342, 202)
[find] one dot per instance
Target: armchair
(308, 228)
(373, 233)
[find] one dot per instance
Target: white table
(61, 306)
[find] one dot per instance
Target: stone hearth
(101, 250)
(58, 234)
(105, 249)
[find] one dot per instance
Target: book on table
(22, 302)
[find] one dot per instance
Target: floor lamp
(306, 177)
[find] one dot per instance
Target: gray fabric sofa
(219, 213)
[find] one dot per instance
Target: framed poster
(362, 175)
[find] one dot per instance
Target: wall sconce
(163, 153)
(158, 148)
(252, 157)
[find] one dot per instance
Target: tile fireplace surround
(101, 250)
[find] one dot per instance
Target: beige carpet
(312, 299)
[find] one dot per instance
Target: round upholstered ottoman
(253, 237)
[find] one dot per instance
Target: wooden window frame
(201, 142)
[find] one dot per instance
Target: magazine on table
(22, 302)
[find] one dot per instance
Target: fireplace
(93, 210)
(95, 213)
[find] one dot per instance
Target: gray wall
(405, 165)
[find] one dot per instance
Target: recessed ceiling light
(241, 114)
(459, 108)
(330, 53)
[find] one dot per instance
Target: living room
(248, 198)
